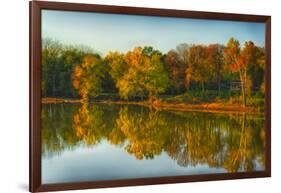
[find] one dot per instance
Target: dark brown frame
(35, 94)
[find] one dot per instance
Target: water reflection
(234, 142)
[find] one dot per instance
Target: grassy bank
(203, 107)
(185, 102)
(49, 100)
(224, 101)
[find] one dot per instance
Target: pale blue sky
(115, 32)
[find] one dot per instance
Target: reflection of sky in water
(90, 164)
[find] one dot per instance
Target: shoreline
(202, 107)
(49, 100)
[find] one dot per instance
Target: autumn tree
(237, 63)
(175, 68)
(145, 77)
(197, 68)
(182, 50)
(258, 73)
(215, 64)
(190, 63)
(117, 64)
(248, 62)
(183, 53)
(87, 77)
(70, 57)
(254, 59)
(58, 63)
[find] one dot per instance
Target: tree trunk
(242, 79)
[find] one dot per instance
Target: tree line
(145, 72)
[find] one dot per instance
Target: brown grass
(59, 100)
(203, 107)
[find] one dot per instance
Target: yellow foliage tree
(145, 77)
(87, 77)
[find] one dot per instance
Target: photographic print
(128, 97)
(138, 96)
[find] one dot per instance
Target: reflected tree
(234, 142)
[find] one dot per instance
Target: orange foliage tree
(242, 61)
(237, 63)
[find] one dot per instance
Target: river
(94, 142)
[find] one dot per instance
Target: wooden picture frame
(35, 94)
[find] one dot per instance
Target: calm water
(104, 142)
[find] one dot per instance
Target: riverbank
(204, 107)
(59, 100)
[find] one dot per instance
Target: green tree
(51, 53)
(149, 51)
